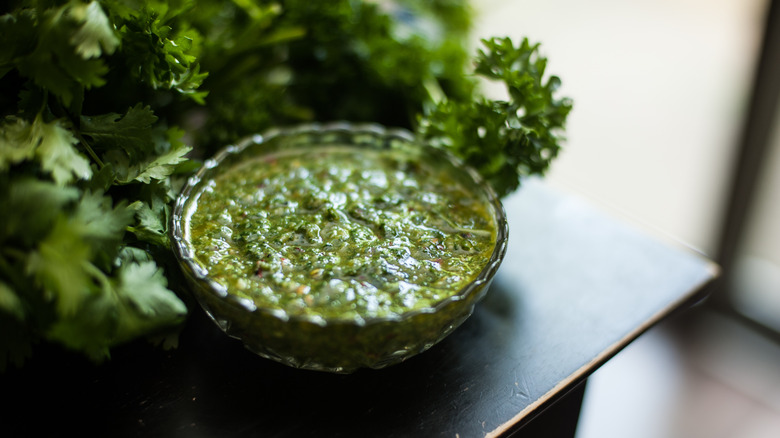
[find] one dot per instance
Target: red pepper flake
(258, 269)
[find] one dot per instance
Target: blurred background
(675, 130)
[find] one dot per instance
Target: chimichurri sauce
(341, 232)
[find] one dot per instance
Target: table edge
(713, 271)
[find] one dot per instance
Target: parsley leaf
(156, 53)
(504, 140)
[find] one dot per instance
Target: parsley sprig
(504, 140)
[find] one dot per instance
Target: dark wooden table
(576, 287)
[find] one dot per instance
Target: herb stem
(100, 276)
(9, 273)
(77, 133)
(89, 150)
(15, 253)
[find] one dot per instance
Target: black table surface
(575, 288)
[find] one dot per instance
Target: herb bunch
(107, 105)
(86, 171)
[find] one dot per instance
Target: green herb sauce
(340, 232)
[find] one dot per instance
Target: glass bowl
(341, 344)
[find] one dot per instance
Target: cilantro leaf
(54, 63)
(130, 132)
(17, 37)
(101, 225)
(32, 208)
(135, 302)
(90, 326)
(16, 142)
(95, 35)
(57, 154)
(51, 143)
(10, 302)
(58, 266)
(147, 303)
(165, 164)
(150, 226)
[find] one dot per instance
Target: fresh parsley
(504, 140)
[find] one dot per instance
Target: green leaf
(51, 59)
(91, 326)
(157, 54)
(164, 165)
(102, 179)
(147, 304)
(57, 154)
(32, 206)
(136, 302)
(504, 140)
(42, 68)
(51, 143)
(150, 226)
(95, 35)
(129, 254)
(97, 220)
(10, 302)
(17, 35)
(131, 132)
(59, 267)
(101, 225)
(17, 143)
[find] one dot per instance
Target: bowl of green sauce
(338, 246)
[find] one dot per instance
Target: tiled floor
(709, 378)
